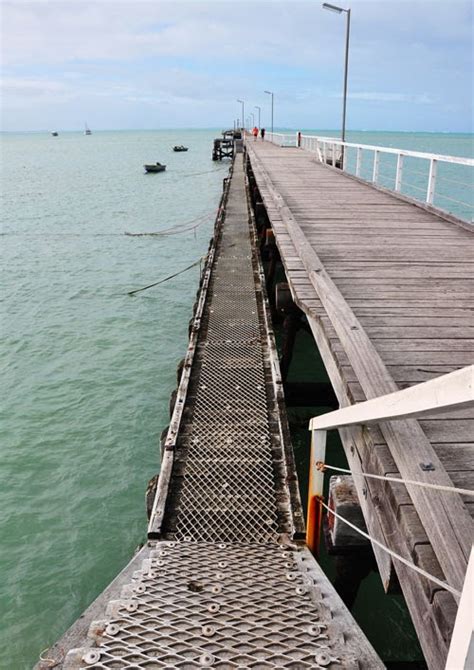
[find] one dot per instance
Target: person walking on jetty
(255, 133)
(262, 133)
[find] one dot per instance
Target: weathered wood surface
(387, 288)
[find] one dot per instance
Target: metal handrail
(459, 160)
(281, 139)
(335, 152)
(452, 390)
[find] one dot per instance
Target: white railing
(442, 181)
(453, 390)
(281, 139)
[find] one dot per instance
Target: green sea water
(87, 370)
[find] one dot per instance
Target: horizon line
(276, 129)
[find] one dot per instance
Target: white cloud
(190, 53)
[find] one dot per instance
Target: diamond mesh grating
(232, 592)
(228, 479)
(215, 605)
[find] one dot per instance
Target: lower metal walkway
(226, 582)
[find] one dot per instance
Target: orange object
(314, 523)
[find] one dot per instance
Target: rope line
(196, 174)
(458, 202)
(162, 281)
(439, 487)
(52, 662)
(403, 560)
(176, 230)
(454, 181)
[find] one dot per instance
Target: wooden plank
(451, 542)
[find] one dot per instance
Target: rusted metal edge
(283, 428)
(162, 489)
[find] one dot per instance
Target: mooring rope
(196, 174)
(403, 560)
(52, 662)
(439, 487)
(162, 281)
(176, 230)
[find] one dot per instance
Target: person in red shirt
(255, 133)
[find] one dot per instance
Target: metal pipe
(271, 93)
(259, 110)
(346, 68)
(315, 490)
(243, 111)
(340, 10)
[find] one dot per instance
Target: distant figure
(255, 133)
(262, 133)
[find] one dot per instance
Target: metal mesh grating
(229, 478)
(214, 605)
(256, 601)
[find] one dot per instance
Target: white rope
(409, 564)
(397, 480)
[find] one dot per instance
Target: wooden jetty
(225, 580)
(386, 286)
(224, 147)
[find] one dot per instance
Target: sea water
(87, 370)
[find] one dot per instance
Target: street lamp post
(253, 119)
(271, 93)
(340, 10)
(259, 110)
(243, 111)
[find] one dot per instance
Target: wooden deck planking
(402, 286)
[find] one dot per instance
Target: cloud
(192, 53)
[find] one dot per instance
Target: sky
(149, 65)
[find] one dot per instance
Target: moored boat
(156, 167)
(180, 147)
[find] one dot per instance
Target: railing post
(375, 173)
(358, 161)
(462, 637)
(324, 152)
(432, 181)
(344, 151)
(333, 155)
(398, 176)
(315, 490)
(318, 151)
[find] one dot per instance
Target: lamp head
(333, 8)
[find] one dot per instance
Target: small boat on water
(54, 133)
(156, 167)
(87, 131)
(180, 147)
